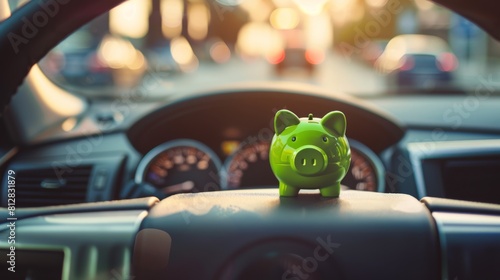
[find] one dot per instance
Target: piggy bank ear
(284, 119)
(335, 123)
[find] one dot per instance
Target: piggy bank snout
(309, 160)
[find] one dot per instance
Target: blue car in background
(418, 61)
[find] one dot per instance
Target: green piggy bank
(309, 153)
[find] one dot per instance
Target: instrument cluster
(186, 165)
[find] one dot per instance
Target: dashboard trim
(8, 155)
(453, 227)
(446, 149)
(51, 232)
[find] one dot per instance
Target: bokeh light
(259, 39)
(183, 54)
(284, 18)
(171, 15)
(220, 52)
(198, 19)
(130, 19)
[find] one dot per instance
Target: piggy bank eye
(294, 139)
(325, 139)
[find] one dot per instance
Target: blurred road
(336, 73)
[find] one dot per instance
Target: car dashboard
(205, 156)
(220, 140)
(212, 141)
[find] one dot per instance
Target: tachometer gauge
(180, 166)
(248, 167)
(366, 172)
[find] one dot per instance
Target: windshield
(359, 47)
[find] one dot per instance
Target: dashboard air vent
(42, 187)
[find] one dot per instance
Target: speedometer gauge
(248, 167)
(180, 166)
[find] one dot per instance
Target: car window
(360, 47)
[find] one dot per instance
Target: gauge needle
(178, 188)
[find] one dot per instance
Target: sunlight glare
(284, 18)
(52, 96)
(130, 19)
(376, 3)
(424, 5)
(311, 7)
(344, 11)
(319, 32)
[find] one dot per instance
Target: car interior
(136, 138)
